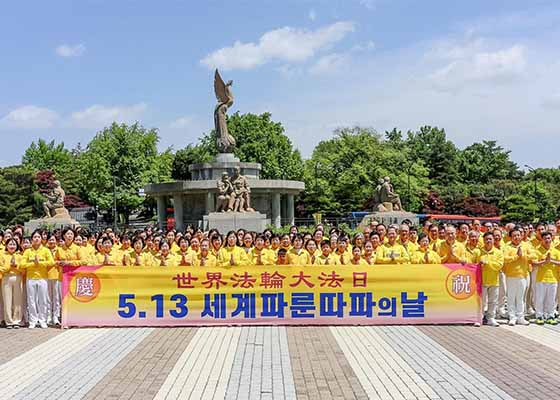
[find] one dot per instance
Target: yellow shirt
(410, 247)
(493, 263)
(419, 257)
(239, 256)
(332, 259)
(515, 266)
(210, 262)
(37, 270)
(472, 254)
(297, 257)
(6, 264)
(360, 262)
(112, 256)
(170, 260)
(267, 256)
(548, 272)
(459, 253)
(145, 259)
(384, 252)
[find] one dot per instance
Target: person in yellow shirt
(359, 241)
(451, 251)
(357, 257)
(518, 256)
(382, 233)
(296, 255)
(232, 255)
(309, 256)
(472, 250)
(106, 254)
(499, 243)
(184, 252)
(392, 252)
(170, 236)
(204, 258)
(463, 233)
(404, 240)
(259, 255)
(433, 235)
(281, 257)
(424, 254)
(139, 257)
(36, 260)
(342, 252)
(12, 281)
(369, 255)
(326, 257)
(547, 263)
(491, 261)
(165, 257)
(285, 242)
(195, 245)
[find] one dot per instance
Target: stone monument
(55, 214)
(226, 194)
(387, 207)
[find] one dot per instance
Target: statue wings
(220, 88)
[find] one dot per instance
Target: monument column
(210, 204)
(290, 208)
(178, 211)
(276, 218)
(161, 211)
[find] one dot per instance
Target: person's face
(540, 230)
(293, 230)
(91, 240)
(231, 240)
(516, 237)
(126, 243)
(286, 241)
(26, 244)
(183, 245)
(434, 232)
(217, 243)
(473, 239)
(318, 236)
(170, 237)
(164, 249)
(11, 247)
(464, 231)
(248, 240)
(413, 236)
(275, 242)
(356, 252)
(451, 234)
(488, 242)
(240, 236)
(442, 233)
(282, 259)
(259, 243)
(157, 241)
(334, 242)
(44, 236)
(359, 241)
(368, 248)
(375, 241)
(381, 231)
(476, 225)
(547, 241)
(298, 243)
(404, 234)
(36, 240)
(497, 237)
(60, 242)
(138, 246)
(424, 242)
(195, 244)
(79, 241)
(311, 247)
(204, 245)
(51, 242)
(107, 246)
(326, 250)
(341, 246)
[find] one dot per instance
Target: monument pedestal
(232, 221)
(56, 222)
(390, 218)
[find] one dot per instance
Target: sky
(482, 70)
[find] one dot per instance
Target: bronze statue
(224, 193)
(385, 198)
(242, 191)
(54, 203)
(225, 142)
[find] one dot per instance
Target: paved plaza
(400, 362)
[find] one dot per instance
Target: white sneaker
(511, 322)
(43, 325)
(477, 324)
(522, 321)
(56, 322)
(31, 326)
(493, 322)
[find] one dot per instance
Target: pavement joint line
(539, 334)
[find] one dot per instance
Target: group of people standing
(519, 264)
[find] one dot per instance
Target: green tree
(129, 154)
(484, 162)
(19, 199)
(344, 171)
(259, 139)
(439, 155)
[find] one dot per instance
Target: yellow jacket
(6, 264)
(410, 247)
(37, 270)
(515, 266)
(113, 257)
(267, 256)
(400, 255)
(297, 257)
(493, 262)
(459, 253)
(171, 260)
(210, 262)
(145, 259)
(332, 259)
(239, 256)
(361, 262)
(471, 255)
(418, 257)
(548, 272)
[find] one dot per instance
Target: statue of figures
(54, 203)
(242, 192)
(224, 193)
(385, 198)
(225, 142)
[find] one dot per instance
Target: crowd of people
(520, 264)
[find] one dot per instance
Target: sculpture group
(224, 141)
(234, 194)
(385, 198)
(54, 201)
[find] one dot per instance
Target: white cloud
(329, 64)
(66, 50)
(181, 122)
(471, 64)
(285, 44)
(29, 117)
(99, 116)
(312, 15)
(369, 4)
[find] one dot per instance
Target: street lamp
(535, 178)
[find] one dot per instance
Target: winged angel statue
(225, 142)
